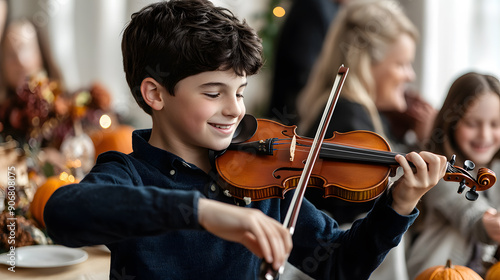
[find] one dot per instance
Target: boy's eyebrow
(218, 84)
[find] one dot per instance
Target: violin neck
(354, 154)
(362, 155)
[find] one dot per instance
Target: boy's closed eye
(212, 94)
(217, 94)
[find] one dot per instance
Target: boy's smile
(203, 114)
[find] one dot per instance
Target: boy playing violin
(159, 209)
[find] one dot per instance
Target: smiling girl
(467, 125)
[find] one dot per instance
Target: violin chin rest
(245, 130)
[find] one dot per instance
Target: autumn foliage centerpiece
(47, 130)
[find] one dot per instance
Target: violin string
(342, 148)
(354, 153)
(452, 169)
(378, 153)
(359, 156)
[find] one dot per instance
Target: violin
(353, 166)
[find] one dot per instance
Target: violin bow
(267, 272)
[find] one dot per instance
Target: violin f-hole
(277, 176)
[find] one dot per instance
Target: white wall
(86, 36)
(456, 37)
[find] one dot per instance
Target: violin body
(262, 175)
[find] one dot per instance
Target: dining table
(95, 267)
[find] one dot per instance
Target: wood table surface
(96, 267)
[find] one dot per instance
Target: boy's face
(204, 112)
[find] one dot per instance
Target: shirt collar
(156, 156)
(153, 155)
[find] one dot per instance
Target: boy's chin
(221, 145)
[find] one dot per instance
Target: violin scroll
(486, 178)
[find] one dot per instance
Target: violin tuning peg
(472, 194)
(461, 186)
(453, 159)
(469, 165)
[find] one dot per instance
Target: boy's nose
(232, 107)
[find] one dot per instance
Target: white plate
(45, 256)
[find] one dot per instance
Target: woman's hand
(422, 115)
(262, 235)
(407, 191)
(491, 222)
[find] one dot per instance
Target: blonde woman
(377, 41)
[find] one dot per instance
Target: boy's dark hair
(169, 41)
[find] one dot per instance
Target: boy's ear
(151, 92)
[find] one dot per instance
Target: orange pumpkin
(448, 272)
(113, 139)
(493, 272)
(43, 194)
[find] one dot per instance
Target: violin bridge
(292, 148)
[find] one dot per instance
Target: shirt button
(213, 187)
(172, 172)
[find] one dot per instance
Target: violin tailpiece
(260, 147)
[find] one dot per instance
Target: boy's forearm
(88, 214)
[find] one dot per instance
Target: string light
(64, 176)
(105, 121)
(278, 11)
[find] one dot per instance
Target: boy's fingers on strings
(436, 166)
(429, 169)
(407, 170)
(422, 172)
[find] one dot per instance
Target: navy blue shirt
(143, 207)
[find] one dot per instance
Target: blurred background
(52, 128)
(85, 38)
